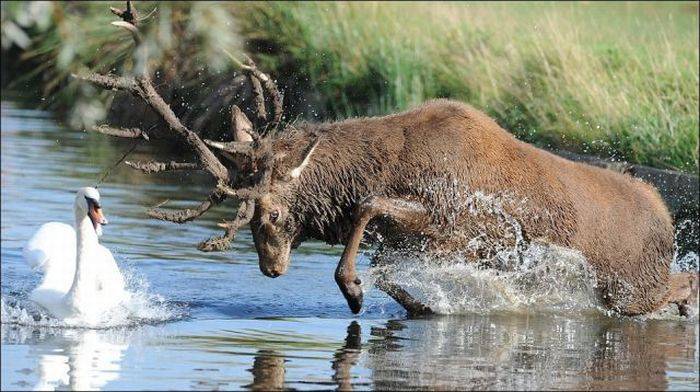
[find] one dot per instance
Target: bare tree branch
(248, 142)
(223, 242)
(155, 101)
(132, 29)
(132, 133)
(109, 82)
(142, 87)
(155, 167)
(129, 15)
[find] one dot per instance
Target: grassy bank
(612, 79)
(620, 79)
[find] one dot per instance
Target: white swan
(81, 279)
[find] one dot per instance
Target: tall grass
(615, 79)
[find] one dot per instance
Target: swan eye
(274, 215)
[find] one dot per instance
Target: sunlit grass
(618, 79)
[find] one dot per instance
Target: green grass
(611, 79)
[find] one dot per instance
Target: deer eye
(274, 215)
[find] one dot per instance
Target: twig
(132, 133)
(109, 82)
(155, 167)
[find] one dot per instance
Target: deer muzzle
(273, 261)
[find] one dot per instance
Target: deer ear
(240, 125)
(296, 172)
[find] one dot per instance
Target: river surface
(213, 321)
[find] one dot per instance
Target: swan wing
(53, 245)
(52, 250)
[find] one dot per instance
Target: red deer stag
(413, 176)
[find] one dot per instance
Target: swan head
(87, 203)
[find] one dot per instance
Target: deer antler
(155, 167)
(261, 81)
(188, 214)
(140, 85)
(223, 242)
(257, 78)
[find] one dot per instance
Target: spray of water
(513, 276)
(140, 307)
(548, 278)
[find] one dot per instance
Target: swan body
(81, 279)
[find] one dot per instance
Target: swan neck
(86, 242)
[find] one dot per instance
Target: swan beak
(97, 216)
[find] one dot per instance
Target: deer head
(275, 228)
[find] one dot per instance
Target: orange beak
(96, 216)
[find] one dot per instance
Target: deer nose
(271, 272)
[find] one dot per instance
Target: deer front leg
(410, 215)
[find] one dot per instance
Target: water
(212, 320)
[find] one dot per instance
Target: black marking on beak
(92, 203)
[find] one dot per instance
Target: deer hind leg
(410, 215)
(406, 300)
(683, 291)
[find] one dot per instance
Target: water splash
(549, 278)
(512, 275)
(685, 262)
(141, 307)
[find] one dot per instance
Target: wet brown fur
(443, 151)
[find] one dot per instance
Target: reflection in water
(509, 351)
(347, 357)
(519, 352)
(77, 359)
(269, 365)
(268, 371)
(92, 360)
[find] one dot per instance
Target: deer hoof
(352, 291)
